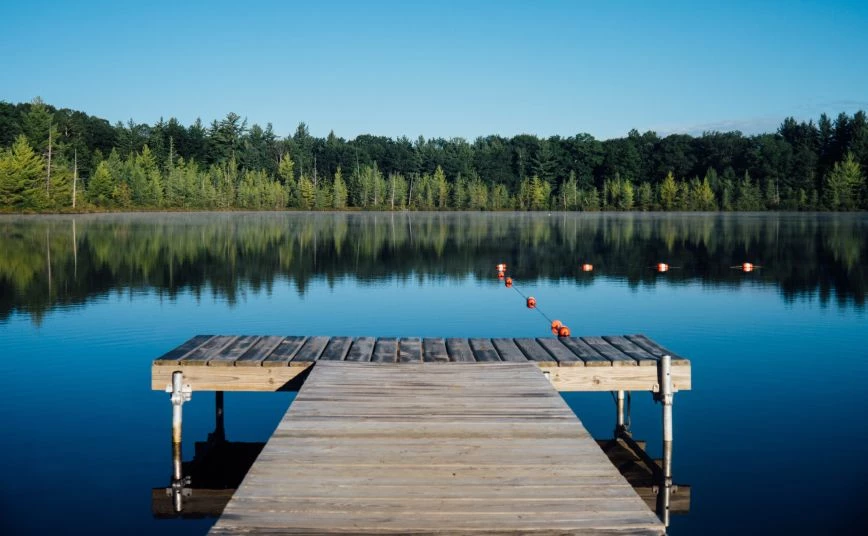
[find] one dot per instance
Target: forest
(62, 160)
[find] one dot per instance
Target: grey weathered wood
(172, 356)
(258, 352)
(336, 349)
(386, 350)
(459, 351)
(642, 357)
(617, 357)
(564, 356)
(483, 350)
(284, 352)
(309, 352)
(591, 357)
(207, 350)
(410, 350)
(508, 350)
(656, 350)
(228, 355)
(362, 349)
(434, 350)
(424, 456)
(535, 352)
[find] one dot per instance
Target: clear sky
(443, 69)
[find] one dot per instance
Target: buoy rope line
(558, 328)
(535, 307)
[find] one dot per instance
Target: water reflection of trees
(56, 261)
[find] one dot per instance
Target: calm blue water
(771, 439)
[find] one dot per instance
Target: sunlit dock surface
(432, 435)
(268, 363)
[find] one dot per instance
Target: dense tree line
(55, 159)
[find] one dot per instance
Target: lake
(770, 439)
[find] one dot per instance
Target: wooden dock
(413, 435)
(253, 363)
(368, 448)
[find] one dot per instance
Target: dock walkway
(416, 448)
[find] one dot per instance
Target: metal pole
(219, 430)
(619, 422)
(666, 396)
(180, 393)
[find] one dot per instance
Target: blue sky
(443, 69)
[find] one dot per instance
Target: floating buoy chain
(558, 328)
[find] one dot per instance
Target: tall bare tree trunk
(48, 177)
(74, 177)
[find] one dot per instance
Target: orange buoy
(662, 267)
(563, 331)
(531, 302)
(500, 275)
(508, 282)
(556, 324)
(747, 267)
(501, 267)
(587, 267)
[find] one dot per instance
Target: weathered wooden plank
(228, 355)
(267, 379)
(259, 351)
(410, 350)
(642, 357)
(172, 356)
(656, 350)
(336, 349)
(207, 350)
(362, 349)
(386, 350)
(535, 352)
(285, 351)
(591, 357)
(459, 351)
(564, 356)
(483, 350)
(617, 357)
(617, 378)
(309, 352)
(344, 459)
(508, 350)
(434, 350)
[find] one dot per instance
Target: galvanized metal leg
(219, 433)
(180, 393)
(666, 397)
(619, 417)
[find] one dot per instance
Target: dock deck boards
(251, 363)
(421, 448)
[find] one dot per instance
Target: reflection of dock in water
(205, 484)
(647, 480)
(447, 435)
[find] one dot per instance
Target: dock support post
(219, 429)
(666, 397)
(619, 419)
(180, 393)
